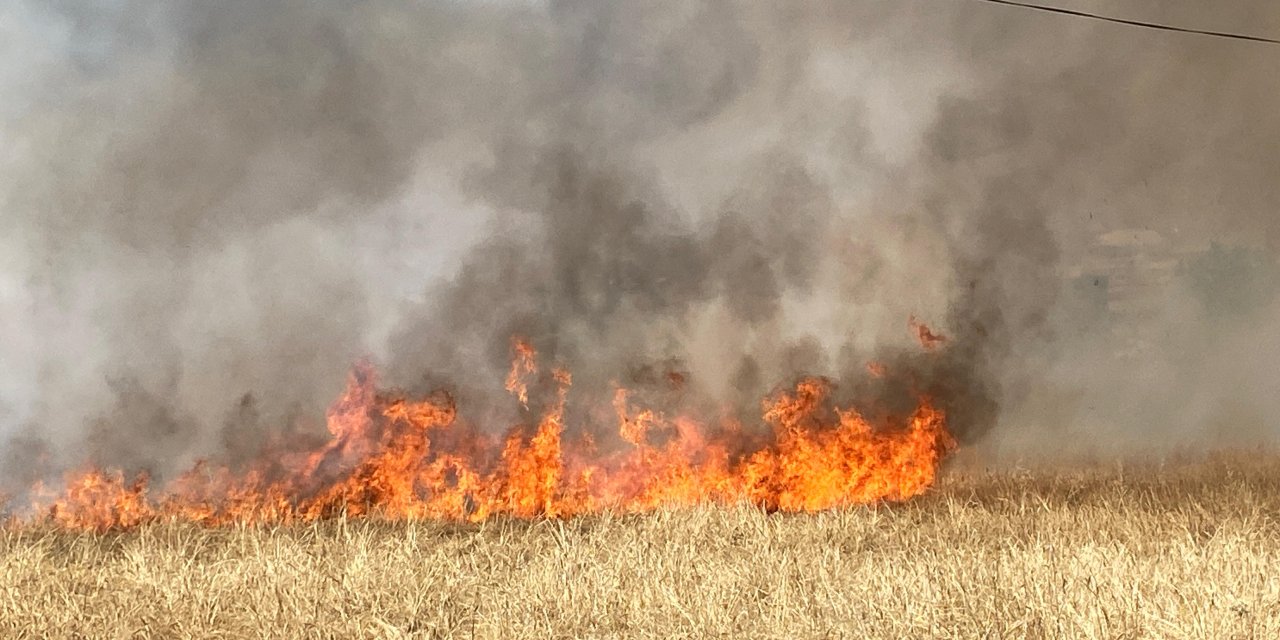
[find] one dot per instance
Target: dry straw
(1183, 551)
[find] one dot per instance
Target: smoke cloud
(208, 212)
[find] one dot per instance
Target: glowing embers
(399, 457)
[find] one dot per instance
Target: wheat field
(1172, 550)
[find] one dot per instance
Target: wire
(1135, 23)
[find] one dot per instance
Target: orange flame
(400, 457)
(522, 366)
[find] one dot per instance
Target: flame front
(397, 457)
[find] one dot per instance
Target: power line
(1135, 23)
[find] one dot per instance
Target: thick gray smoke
(208, 211)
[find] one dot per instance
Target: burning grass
(396, 457)
(1174, 550)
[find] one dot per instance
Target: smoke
(210, 212)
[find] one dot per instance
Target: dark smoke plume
(210, 210)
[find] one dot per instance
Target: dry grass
(1185, 552)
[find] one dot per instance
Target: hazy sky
(211, 199)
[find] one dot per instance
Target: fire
(398, 457)
(928, 339)
(522, 366)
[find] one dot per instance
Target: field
(1171, 550)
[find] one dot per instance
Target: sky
(199, 202)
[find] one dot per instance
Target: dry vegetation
(1188, 550)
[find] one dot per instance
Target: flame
(398, 457)
(928, 339)
(522, 366)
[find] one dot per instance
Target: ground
(1172, 550)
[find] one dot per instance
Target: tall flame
(399, 457)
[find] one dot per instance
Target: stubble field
(1155, 550)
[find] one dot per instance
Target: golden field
(1156, 550)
